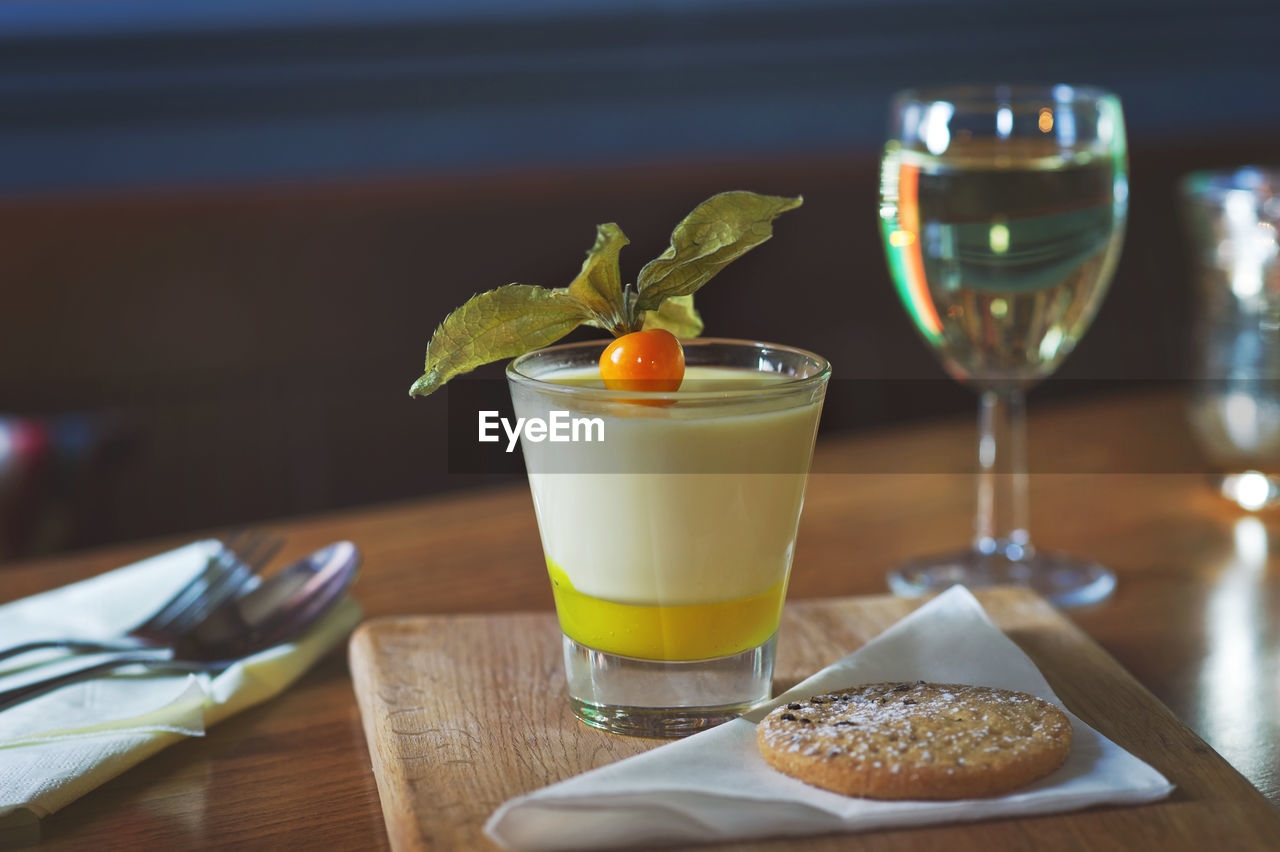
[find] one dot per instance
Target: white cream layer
(632, 535)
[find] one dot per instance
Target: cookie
(916, 740)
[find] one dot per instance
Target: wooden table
(1195, 618)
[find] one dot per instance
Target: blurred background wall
(228, 228)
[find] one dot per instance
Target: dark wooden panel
(252, 349)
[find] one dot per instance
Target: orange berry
(643, 361)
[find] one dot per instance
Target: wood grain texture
(465, 712)
(1195, 617)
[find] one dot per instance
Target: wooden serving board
(464, 712)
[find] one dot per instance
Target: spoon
(276, 609)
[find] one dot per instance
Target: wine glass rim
(1014, 96)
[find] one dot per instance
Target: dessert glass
(669, 523)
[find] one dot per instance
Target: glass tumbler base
(1062, 580)
(656, 698)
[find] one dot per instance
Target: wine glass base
(1062, 580)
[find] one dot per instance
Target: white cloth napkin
(56, 748)
(715, 785)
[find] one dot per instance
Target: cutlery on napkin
(715, 786)
(56, 748)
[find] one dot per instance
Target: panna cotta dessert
(670, 534)
(667, 470)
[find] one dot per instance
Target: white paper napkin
(715, 785)
(56, 748)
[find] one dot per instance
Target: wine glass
(1002, 209)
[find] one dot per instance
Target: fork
(279, 609)
(232, 568)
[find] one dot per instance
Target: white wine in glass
(1002, 210)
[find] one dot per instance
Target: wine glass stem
(1001, 521)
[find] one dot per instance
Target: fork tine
(215, 567)
(244, 565)
(259, 551)
(224, 574)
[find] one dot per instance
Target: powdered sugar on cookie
(916, 740)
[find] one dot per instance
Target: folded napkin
(56, 748)
(715, 785)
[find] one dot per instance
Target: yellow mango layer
(692, 632)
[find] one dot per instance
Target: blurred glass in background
(1231, 218)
